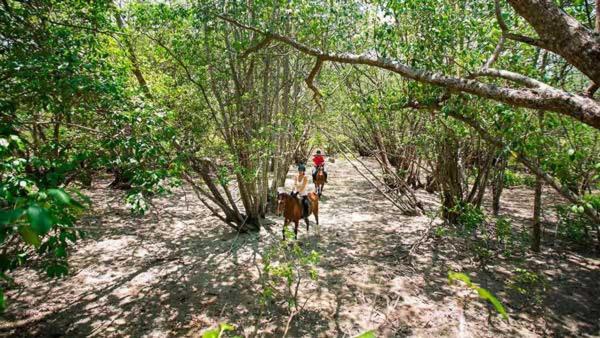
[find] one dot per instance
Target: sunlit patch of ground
(179, 271)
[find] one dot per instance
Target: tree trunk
(498, 184)
(562, 34)
(450, 179)
(131, 55)
(537, 212)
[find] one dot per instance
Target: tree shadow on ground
(180, 271)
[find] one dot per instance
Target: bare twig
(506, 31)
(496, 53)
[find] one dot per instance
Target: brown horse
(319, 180)
(291, 207)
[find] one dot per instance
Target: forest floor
(179, 271)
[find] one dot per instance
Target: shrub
(284, 266)
(573, 225)
(527, 288)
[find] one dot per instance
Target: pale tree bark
(537, 201)
(241, 94)
(537, 212)
(597, 16)
(498, 183)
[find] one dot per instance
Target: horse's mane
(282, 192)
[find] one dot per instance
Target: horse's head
(320, 170)
(281, 197)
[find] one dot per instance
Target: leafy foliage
(573, 225)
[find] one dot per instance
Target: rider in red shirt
(318, 160)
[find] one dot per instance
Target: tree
(535, 94)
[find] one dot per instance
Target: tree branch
(506, 31)
(576, 106)
(512, 76)
(496, 53)
(260, 45)
(311, 78)
(591, 90)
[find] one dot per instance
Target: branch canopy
(541, 96)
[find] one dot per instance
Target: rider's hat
(301, 167)
(318, 152)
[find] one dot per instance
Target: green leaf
(485, 294)
(57, 270)
(29, 236)
(9, 216)
(40, 219)
(63, 198)
(452, 276)
(214, 333)
(60, 252)
(60, 196)
(218, 331)
(2, 301)
(226, 327)
(366, 334)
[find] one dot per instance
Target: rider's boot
(305, 206)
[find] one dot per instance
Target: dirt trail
(180, 271)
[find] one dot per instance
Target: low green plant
(441, 231)
(469, 217)
(527, 288)
(511, 178)
(36, 217)
(481, 250)
(284, 266)
(504, 230)
(510, 241)
(573, 225)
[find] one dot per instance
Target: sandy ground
(179, 271)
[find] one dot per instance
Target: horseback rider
(318, 160)
(300, 185)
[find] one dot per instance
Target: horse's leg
(317, 215)
(285, 224)
(307, 223)
(296, 229)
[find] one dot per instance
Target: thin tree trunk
(137, 72)
(537, 212)
(537, 202)
(498, 184)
